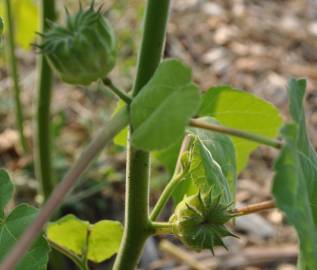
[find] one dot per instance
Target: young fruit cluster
(83, 50)
(199, 221)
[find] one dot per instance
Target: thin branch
(237, 133)
(118, 92)
(115, 125)
(178, 175)
(165, 196)
(253, 208)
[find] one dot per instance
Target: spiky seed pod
(199, 220)
(83, 50)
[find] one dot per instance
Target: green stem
(166, 194)
(137, 223)
(43, 142)
(119, 93)
(237, 133)
(178, 174)
(15, 76)
(162, 227)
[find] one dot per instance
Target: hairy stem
(253, 208)
(113, 127)
(137, 223)
(43, 166)
(237, 133)
(15, 76)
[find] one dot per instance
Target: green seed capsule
(199, 221)
(84, 50)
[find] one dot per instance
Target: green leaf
(212, 165)
(26, 21)
(104, 240)
(168, 156)
(14, 224)
(161, 111)
(6, 191)
(96, 241)
(69, 232)
(237, 109)
(222, 150)
(295, 181)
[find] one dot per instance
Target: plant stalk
(43, 137)
(179, 173)
(118, 92)
(15, 76)
(162, 228)
(165, 196)
(113, 127)
(254, 208)
(137, 223)
(237, 133)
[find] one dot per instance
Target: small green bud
(84, 50)
(199, 221)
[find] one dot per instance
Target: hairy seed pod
(199, 221)
(83, 50)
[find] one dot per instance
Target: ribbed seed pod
(199, 220)
(83, 50)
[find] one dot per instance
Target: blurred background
(254, 45)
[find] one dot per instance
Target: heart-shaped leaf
(97, 242)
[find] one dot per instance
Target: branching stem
(137, 224)
(237, 133)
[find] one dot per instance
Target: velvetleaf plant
(204, 138)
